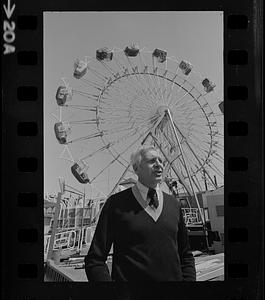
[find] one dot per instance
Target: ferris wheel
(131, 97)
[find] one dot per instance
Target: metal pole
(215, 180)
(200, 163)
(186, 167)
(205, 182)
(143, 141)
(181, 178)
(55, 224)
(184, 160)
(118, 182)
(113, 190)
(82, 221)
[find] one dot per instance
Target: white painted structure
(214, 201)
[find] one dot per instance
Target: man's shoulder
(170, 199)
(120, 195)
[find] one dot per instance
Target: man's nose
(159, 163)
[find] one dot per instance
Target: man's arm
(95, 261)
(186, 256)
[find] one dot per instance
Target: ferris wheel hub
(163, 110)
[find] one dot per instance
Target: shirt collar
(144, 189)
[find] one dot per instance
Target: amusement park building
(71, 216)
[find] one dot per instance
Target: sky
(193, 36)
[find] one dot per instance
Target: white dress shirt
(140, 192)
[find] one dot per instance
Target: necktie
(152, 195)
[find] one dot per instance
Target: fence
(70, 239)
(192, 216)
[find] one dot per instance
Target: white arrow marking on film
(9, 10)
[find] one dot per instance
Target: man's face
(150, 169)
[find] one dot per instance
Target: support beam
(55, 225)
(200, 163)
(186, 167)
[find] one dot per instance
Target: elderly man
(146, 228)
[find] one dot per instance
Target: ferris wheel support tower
(166, 115)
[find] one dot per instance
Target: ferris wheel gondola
(135, 97)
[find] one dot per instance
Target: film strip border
(23, 155)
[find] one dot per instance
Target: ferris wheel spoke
(146, 89)
(119, 155)
(116, 130)
(93, 135)
(84, 122)
(57, 118)
(97, 74)
(196, 182)
(104, 169)
(174, 94)
(119, 94)
(184, 159)
(157, 80)
(134, 127)
(86, 95)
(218, 158)
(119, 180)
(134, 95)
(60, 114)
(105, 147)
(82, 107)
(217, 165)
(165, 85)
(219, 147)
(216, 170)
(86, 85)
(93, 84)
(161, 88)
(127, 115)
(150, 86)
(136, 110)
(174, 84)
(164, 79)
(204, 172)
(108, 68)
(135, 75)
(138, 75)
(121, 67)
(171, 85)
(156, 86)
(136, 91)
(192, 100)
(66, 149)
(153, 94)
(181, 98)
(149, 77)
(183, 166)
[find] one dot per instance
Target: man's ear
(136, 168)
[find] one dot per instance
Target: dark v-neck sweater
(143, 249)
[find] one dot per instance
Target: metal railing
(192, 216)
(70, 239)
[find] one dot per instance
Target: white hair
(136, 157)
